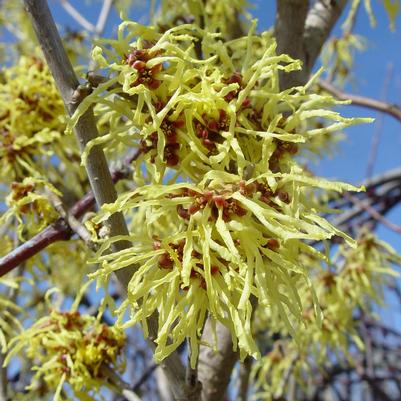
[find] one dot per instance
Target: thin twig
(59, 230)
(73, 222)
(120, 385)
(244, 373)
(375, 214)
(13, 30)
(148, 371)
(103, 16)
(78, 17)
(374, 104)
(377, 133)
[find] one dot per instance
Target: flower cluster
(8, 322)
(67, 347)
(222, 209)
(222, 16)
(32, 116)
(361, 277)
(29, 204)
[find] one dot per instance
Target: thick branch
(302, 33)
(321, 19)
(374, 104)
(375, 214)
(215, 367)
(57, 231)
(289, 31)
(97, 169)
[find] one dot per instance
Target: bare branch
(103, 16)
(320, 20)
(13, 30)
(384, 107)
(375, 214)
(120, 385)
(164, 392)
(3, 379)
(78, 17)
(59, 230)
(378, 129)
(244, 372)
(73, 222)
(215, 367)
(289, 31)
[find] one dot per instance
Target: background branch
(374, 104)
(103, 16)
(78, 17)
(244, 373)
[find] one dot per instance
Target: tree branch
(77, 16)
(59, 230)
(384, 107)
(103, 16)
(3, 379)
(378, 128)
(289, 31)
(96, 166)
(244, 373)
(320, 20)
(120, 385)
(375, 214)
(215, 367)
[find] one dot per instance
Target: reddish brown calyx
(215, 200)
(165, 260)
(328, 279)
(273, 244)
(147, 76)
(282, 149)
(11, 151)
(283, 196)
(247, 189)
(20, 190)
(266, 193)
(209, 133)
(197, 275)
(235, 78)
(172, 146)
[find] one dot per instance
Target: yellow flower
(67, 347)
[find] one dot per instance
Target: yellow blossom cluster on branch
(223, 207)
(344, 293)
(70, 348)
